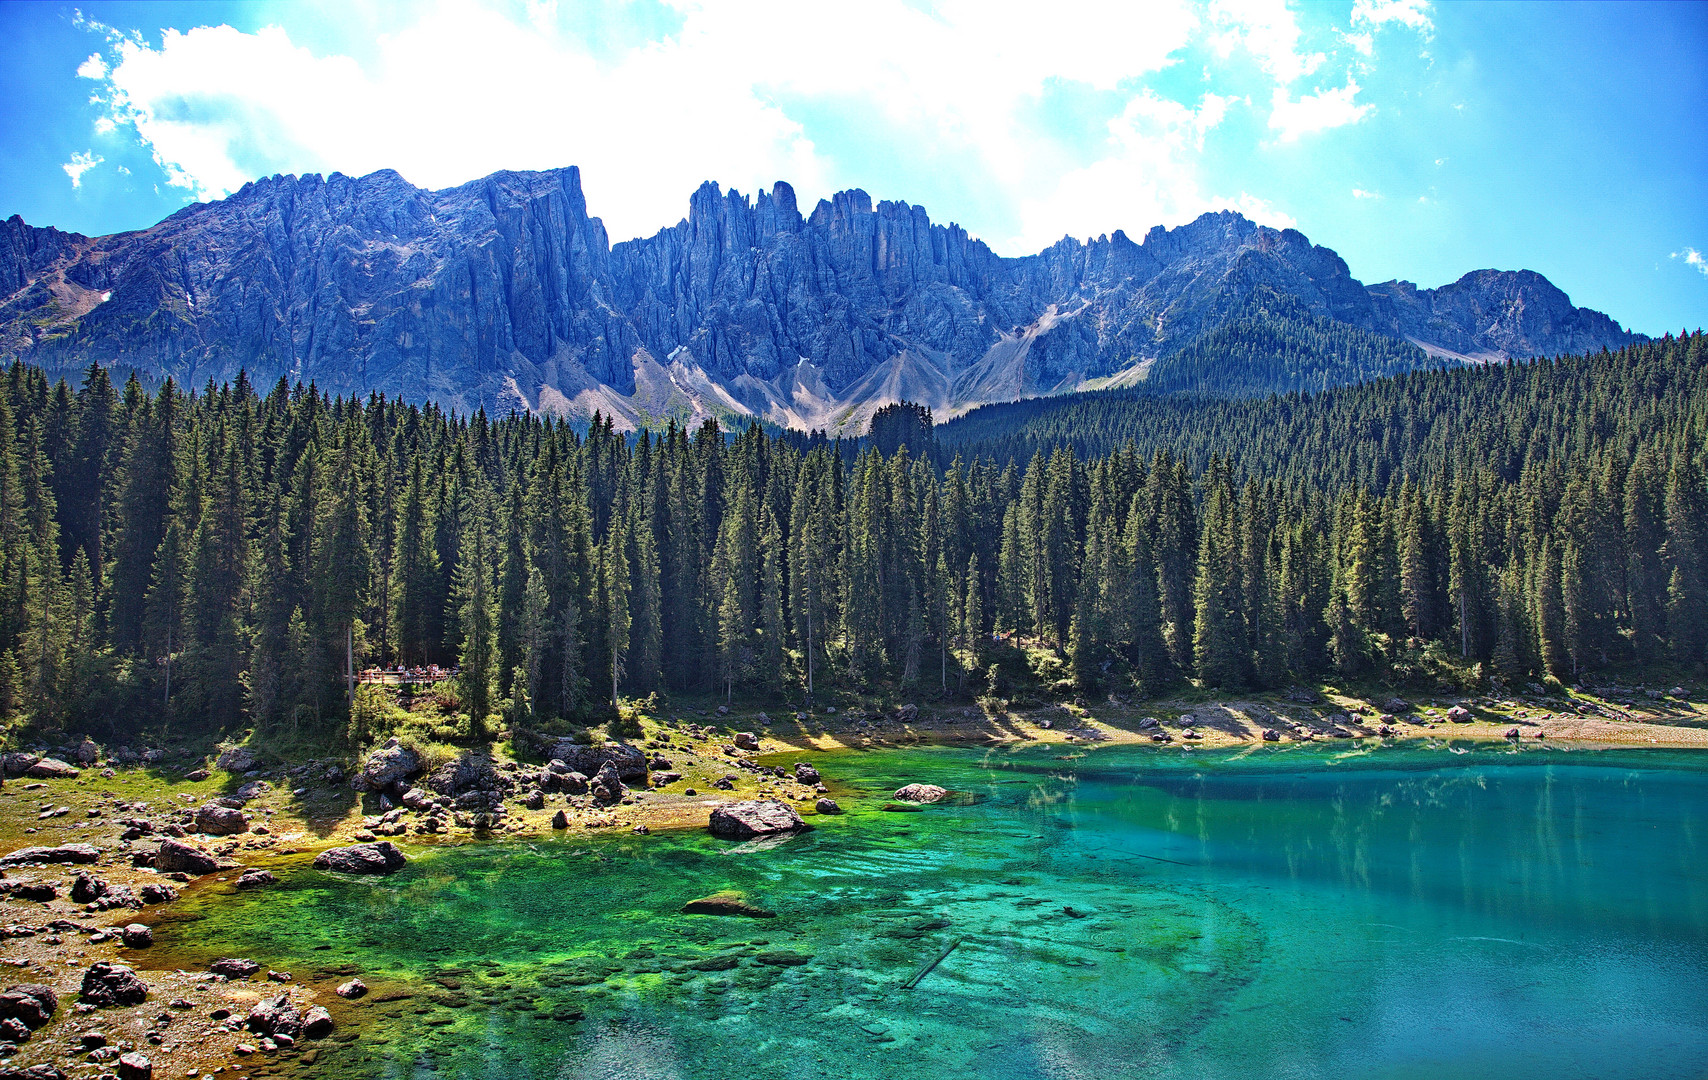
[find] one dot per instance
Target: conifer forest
(234, 557)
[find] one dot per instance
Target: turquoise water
(1302, 912)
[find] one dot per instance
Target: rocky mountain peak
(506, 292)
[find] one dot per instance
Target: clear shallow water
(1306, 912)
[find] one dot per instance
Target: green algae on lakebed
(1397, 911)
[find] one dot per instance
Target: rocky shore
(95, 843)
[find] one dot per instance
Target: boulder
(746, 740)
(108, 984)
(157, 893)
(256, 878)
(137, 936)
(535, 800)
(907, 714)
(233, 967)
(87, 752)
(607, 787)
(31, 1004)
(470, 772)
(352, 990)
(39, 891)
(726, 903)
(64, 853)
(53, 769)
(217, 820)
(1512, 733)
(18, 763)
(806, 774)
(237, 759)
(135, 1066)
(316, 1023)
(14, 1031)
(560, 820)
(1396, 705)
(391, 764)
(275, 1016)
(177, 856)
(827, 806)
(921, 793)
(417, 799)
(629, 762)
(1458, 714)
(1271, 735)
(33, 1072)
(379, 858)
(254, 789)
(758, 817)
(197, 774)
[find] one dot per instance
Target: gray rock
(17, 763)
(560, 820)
(137, 936)
(758, 817)
(806, 774)
(237, 759)
(316, 1023)
(469, 772)
(827, 806)
(746, 740)
(921, 793)
(53, 769)
(234, 967)
(155, 892)
(628, 761)
(217, 820)
(607, 787)
(378, 858)
(176, 855)
(64, 853)
(108, 984)
(391, 764)
(256, 878)
(31, 1004)
(135, 1066)
(352, 990)
(275, 1016)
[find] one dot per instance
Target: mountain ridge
(506, 292)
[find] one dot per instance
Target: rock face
(380, 858)
(505, 292)
(921, 793)
(112, 984)
(217, 820)
(759, 817)
(175, 855)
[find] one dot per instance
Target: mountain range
(505, 293)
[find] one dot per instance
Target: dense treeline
(1504, 417)
(1274, 345)
(227, 558)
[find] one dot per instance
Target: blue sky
(1419, 141)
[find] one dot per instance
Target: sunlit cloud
(80, 163)
(736, 92)
(1692, 258)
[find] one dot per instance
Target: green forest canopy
(223, 559)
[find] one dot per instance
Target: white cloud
(1692, 258)
(1149, 175)
(81, 162)
(467, 87)
(1311, 113)
(465, 90)
(1268, 31)
(1412, 14)
(1360, 193)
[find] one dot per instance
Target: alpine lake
(1381, 911)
